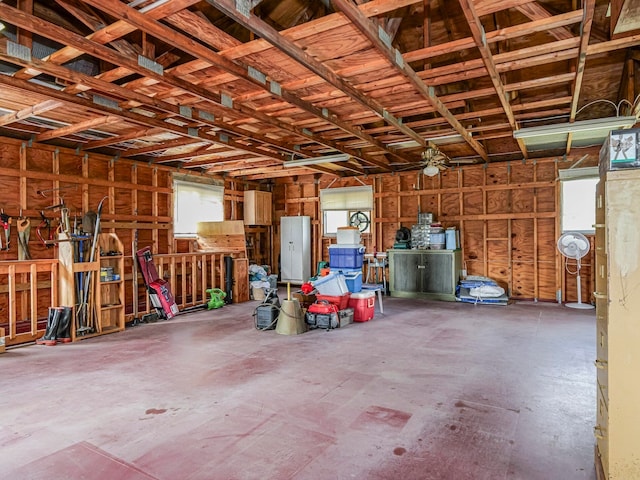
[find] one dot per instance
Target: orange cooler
(363, 304)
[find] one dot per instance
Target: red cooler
(363, 304)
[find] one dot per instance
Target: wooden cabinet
(617, 327)
(257, 207)
(431, 274)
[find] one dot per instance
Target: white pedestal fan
(574, 245)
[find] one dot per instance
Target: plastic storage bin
(353, 278)
(348, 235)
(354, 281)
(333, 284)
(346, 256)
(363, 305)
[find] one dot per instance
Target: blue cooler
(352, 277)
(346, 256)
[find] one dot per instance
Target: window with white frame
(195, 202)
(578, 199)
(340, 205)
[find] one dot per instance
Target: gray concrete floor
(430, 390)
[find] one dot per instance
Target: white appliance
(295, 249)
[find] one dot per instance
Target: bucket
(258, 293)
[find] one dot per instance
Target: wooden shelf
(105, 306)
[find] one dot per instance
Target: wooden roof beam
(221, 162)
(59, 34)
(151, 102)
(535, 11)
(367, 28)
(503, 34)
(83, 13)
(178, 142)
(141, 21)
(589, 9)
(134, 135)
(478, 34)
(75, 128)
(108, 34)
(33, 111)
(187, 156)
(265, 31)
(132, 117)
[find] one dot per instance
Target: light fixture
(431, 170)
(1, 26)
(301, 162)
(610, 123)
(584, 133)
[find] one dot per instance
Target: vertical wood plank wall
(140, 205)
(508, 215)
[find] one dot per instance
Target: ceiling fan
(433, 161)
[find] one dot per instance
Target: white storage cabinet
(295, 249)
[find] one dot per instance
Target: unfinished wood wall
(507, 213)
(139, 205)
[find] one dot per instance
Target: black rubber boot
(51, 333)
(47, 332)
(64, 325)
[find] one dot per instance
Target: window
(193, 203)
(338, 205)
(578, 199)
(340, 218)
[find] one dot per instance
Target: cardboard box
(620, 150)
(2, 342)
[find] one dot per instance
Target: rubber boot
(47, 333)
(64, 325)
(51, 334)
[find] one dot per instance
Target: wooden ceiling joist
(75, 128)
(56, 33)
(213, 96)
(29, 112)
(366, 27)
(115, 8)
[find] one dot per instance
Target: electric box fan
(574, 246)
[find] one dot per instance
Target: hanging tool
(42, 192)
(5, 222)
(45, 223)
(24, 230)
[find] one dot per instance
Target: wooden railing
(25, 296)
(26, 293)
(189, 274)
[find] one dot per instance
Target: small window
(333, 219)
(193, 203)
(339, 205)
(578, 200)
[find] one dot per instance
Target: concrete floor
(430, 390)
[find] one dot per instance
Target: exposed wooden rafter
(363, 24)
